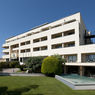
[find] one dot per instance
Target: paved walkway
(21, 74)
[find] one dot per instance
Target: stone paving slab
(21, 74)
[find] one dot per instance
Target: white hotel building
(67, 37)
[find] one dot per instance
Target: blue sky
(18, 16)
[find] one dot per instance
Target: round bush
(51, 66)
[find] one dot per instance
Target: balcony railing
(89, 61)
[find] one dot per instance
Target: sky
(19, 16)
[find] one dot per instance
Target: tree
(34, 63)
(14, 64)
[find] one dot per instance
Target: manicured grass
(36, 86)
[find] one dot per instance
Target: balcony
(80, 64)
(88, 58)
(71, 58)
(69, 44)
(5, 50)
(15, 48)
(41, 43)
(5, 45)
(40, 39)
(5, 56)
(64, 39)
(25, 54)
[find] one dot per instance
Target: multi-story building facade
(67, 37)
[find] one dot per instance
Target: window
(29, 34)
(69, 32)
(70, 21)
(23, 43)
(44, 38)
(44, 29)
(28, 42)
(88, 57)
(56, 35)
(71, 58)
(36, 49)
(56, 46)
(7, 53)
(7, 47)
(44, 48)
(23, 36)
(27, 50)
(69, 44)
(56, 26)
(40, 39)
(15, 46)
(36, 40)
(22, 51)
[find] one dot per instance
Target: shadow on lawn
(20, 91)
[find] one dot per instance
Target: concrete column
(9, 53)
(77, 35)
(62, 45)
(49, 44)
(62, 34)
(79, 58)
(40, 39)
(31, 47)
(63, 56)
(65, 70)
(40, 49)
(19, 52)
(49, 27)
(63, 23)
(81, 70)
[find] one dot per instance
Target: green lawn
(36, 86)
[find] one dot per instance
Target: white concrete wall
(78, 49)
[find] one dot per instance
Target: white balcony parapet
(80, 64)
(5, 45)
(5, 50)
(5, 56)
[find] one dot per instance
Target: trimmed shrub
(51, 66)
(59, 57)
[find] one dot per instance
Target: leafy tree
(14, 64)
(34, 63)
